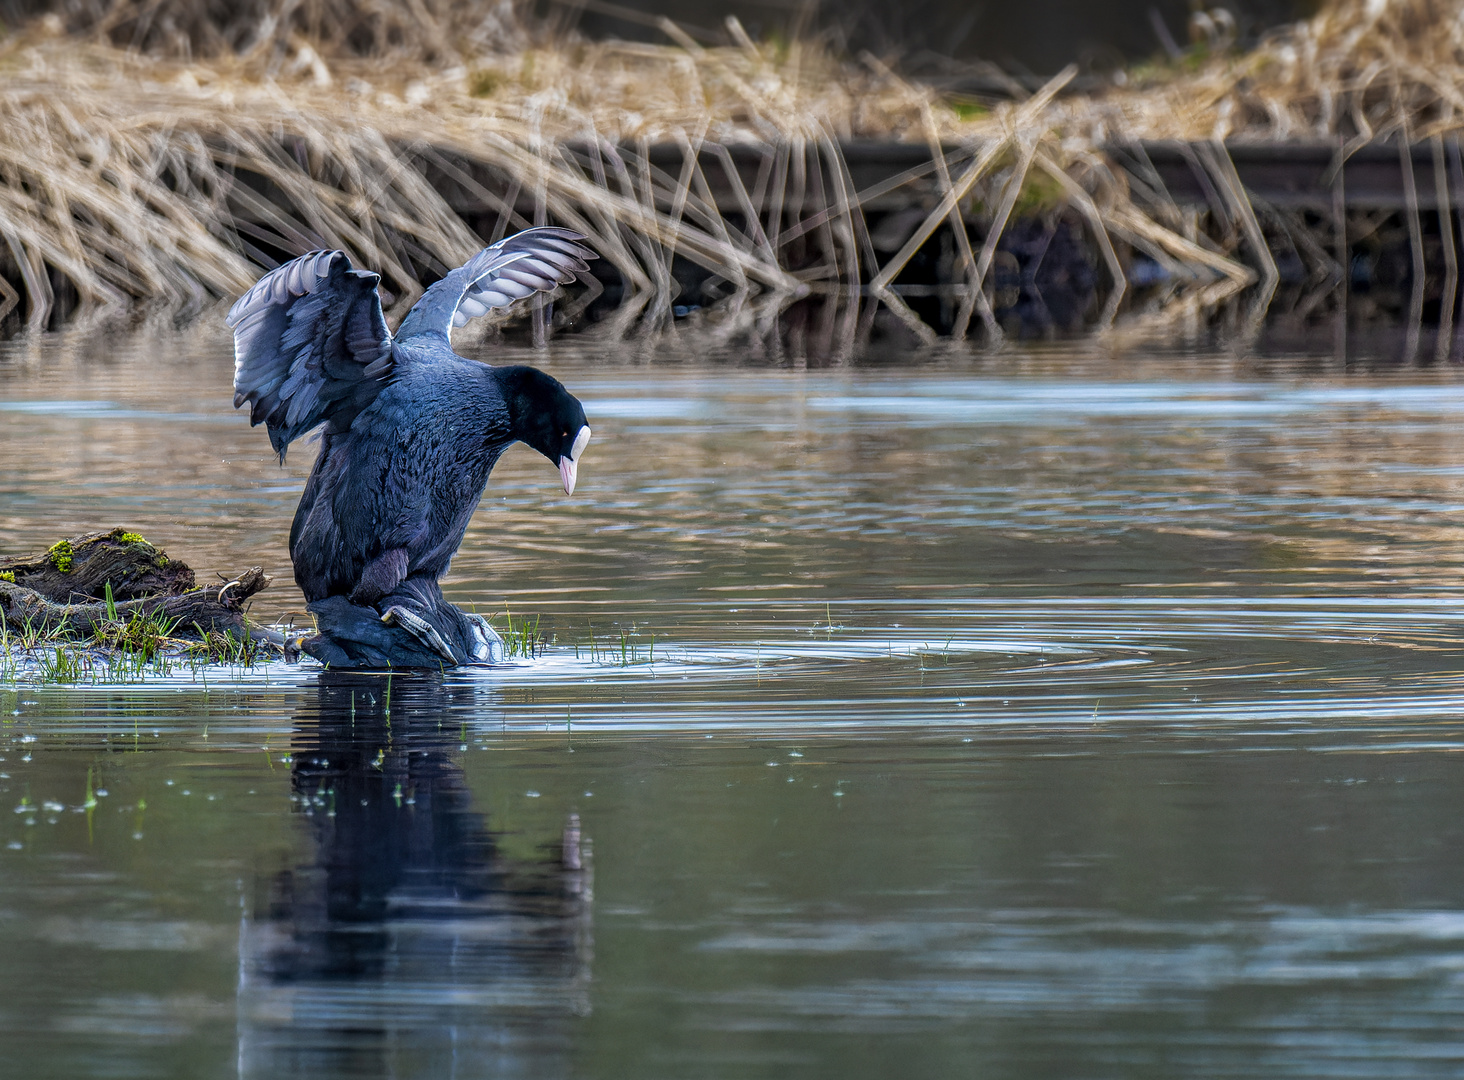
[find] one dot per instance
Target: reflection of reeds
(130, 178)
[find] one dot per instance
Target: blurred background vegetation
(922, 37)
(926, 158)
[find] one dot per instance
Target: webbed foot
(485, 646)
(419, 628)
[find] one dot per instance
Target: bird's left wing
(310, 346)
(535, 260)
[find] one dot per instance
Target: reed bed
(1360, 70)
(152, 163)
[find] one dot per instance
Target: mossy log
(79, 569)
(62, 592)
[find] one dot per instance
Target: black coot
(410, 433)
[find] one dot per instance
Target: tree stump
(80, 568)
(63, 591)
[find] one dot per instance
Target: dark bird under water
(409, 433)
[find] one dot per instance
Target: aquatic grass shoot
(521, 637)
(622, 648)
(141, 632)
(7, 658)
(120, 652)
(226, 647)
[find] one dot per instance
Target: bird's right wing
(310, 346)
(535, 260)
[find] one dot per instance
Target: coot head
(547, 417)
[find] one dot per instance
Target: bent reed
(152, 157)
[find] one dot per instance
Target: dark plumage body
(406, 477)
(411, 433)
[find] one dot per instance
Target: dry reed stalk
(976, 298)
(1415, 245)
(1010, 191)
(1100, 229)
(1451, 257)
(1023, 117)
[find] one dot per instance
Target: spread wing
(310, 346)
(535, 260)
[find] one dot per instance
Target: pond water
(1056, 713)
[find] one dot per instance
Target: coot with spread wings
(409, 433)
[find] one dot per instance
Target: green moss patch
(61, 554)
(482, 83)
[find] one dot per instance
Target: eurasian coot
(410, 432)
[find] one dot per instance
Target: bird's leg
(380, 576)
(420, 629)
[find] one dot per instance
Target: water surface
(1051, 713)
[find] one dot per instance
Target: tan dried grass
(1360, 69)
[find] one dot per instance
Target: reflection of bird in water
(411, 432)
(404, 933)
